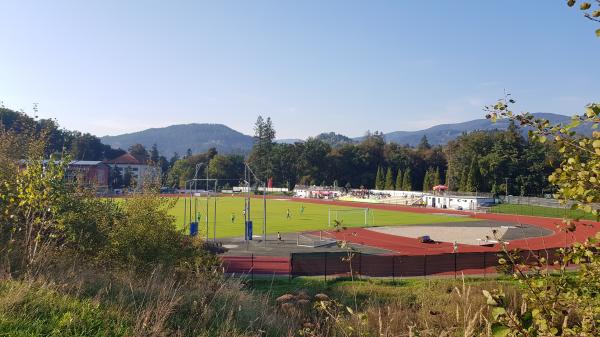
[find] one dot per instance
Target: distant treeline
(481, 161)
(80, 146)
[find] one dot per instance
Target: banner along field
(302, 216)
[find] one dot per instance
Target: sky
(111, 67)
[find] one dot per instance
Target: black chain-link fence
(344, 264)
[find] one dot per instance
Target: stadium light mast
(247, 168)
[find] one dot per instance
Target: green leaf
(527, 319)
(500, 330)
(542, 139)
(497, 312)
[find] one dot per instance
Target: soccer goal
(350, 216)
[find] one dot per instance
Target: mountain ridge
(199, 137)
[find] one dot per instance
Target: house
(89, 172)
(137, 166)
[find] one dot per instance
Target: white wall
(395, 193)
(456, 202)
(269, 189)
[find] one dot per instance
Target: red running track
(412, 247)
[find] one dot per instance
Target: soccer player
(232, 217)
(289, 215)
(301, 209)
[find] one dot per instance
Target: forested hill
(201, 137)
(441, 134)
(180, 138)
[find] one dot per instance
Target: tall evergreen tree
(399, 180)
(262, 151)
(173, 159)
(494, 190)
(380, 179)
(389, 179)
(154, 155)
(463, 181)
(407, 180)
(474, 178)
(436, 177)
(424, 144)
(138, 150)
(427, 181)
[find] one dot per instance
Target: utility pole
(207, 198)
(215, 215)
(506, 189)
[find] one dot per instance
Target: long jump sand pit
(469, 233)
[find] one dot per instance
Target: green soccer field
(314, 216)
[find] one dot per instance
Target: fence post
(425, 266)
(325, 255)
(455, 256)
(484, 265)
(360, 264)
(291, 267)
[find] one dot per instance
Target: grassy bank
(550, 212)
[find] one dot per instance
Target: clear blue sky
(109, 67)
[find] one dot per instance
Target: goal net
(350, 217)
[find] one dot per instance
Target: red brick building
(88, 172)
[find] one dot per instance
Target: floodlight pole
(248, 169)
(207, 198)
(215, 216)
(264, 214)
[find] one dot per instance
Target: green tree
(379, 179)
(389, 179)
(427, 184)
(407, 180)
(473, 182)
(128, 179)
(590, 11)
(138, 150)
(436, 177)
(260, 157)
(173, 159)
(226, 167)
(558, 301)
(424, 144)
(399, 180)
(154, 154)
(463, 181)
